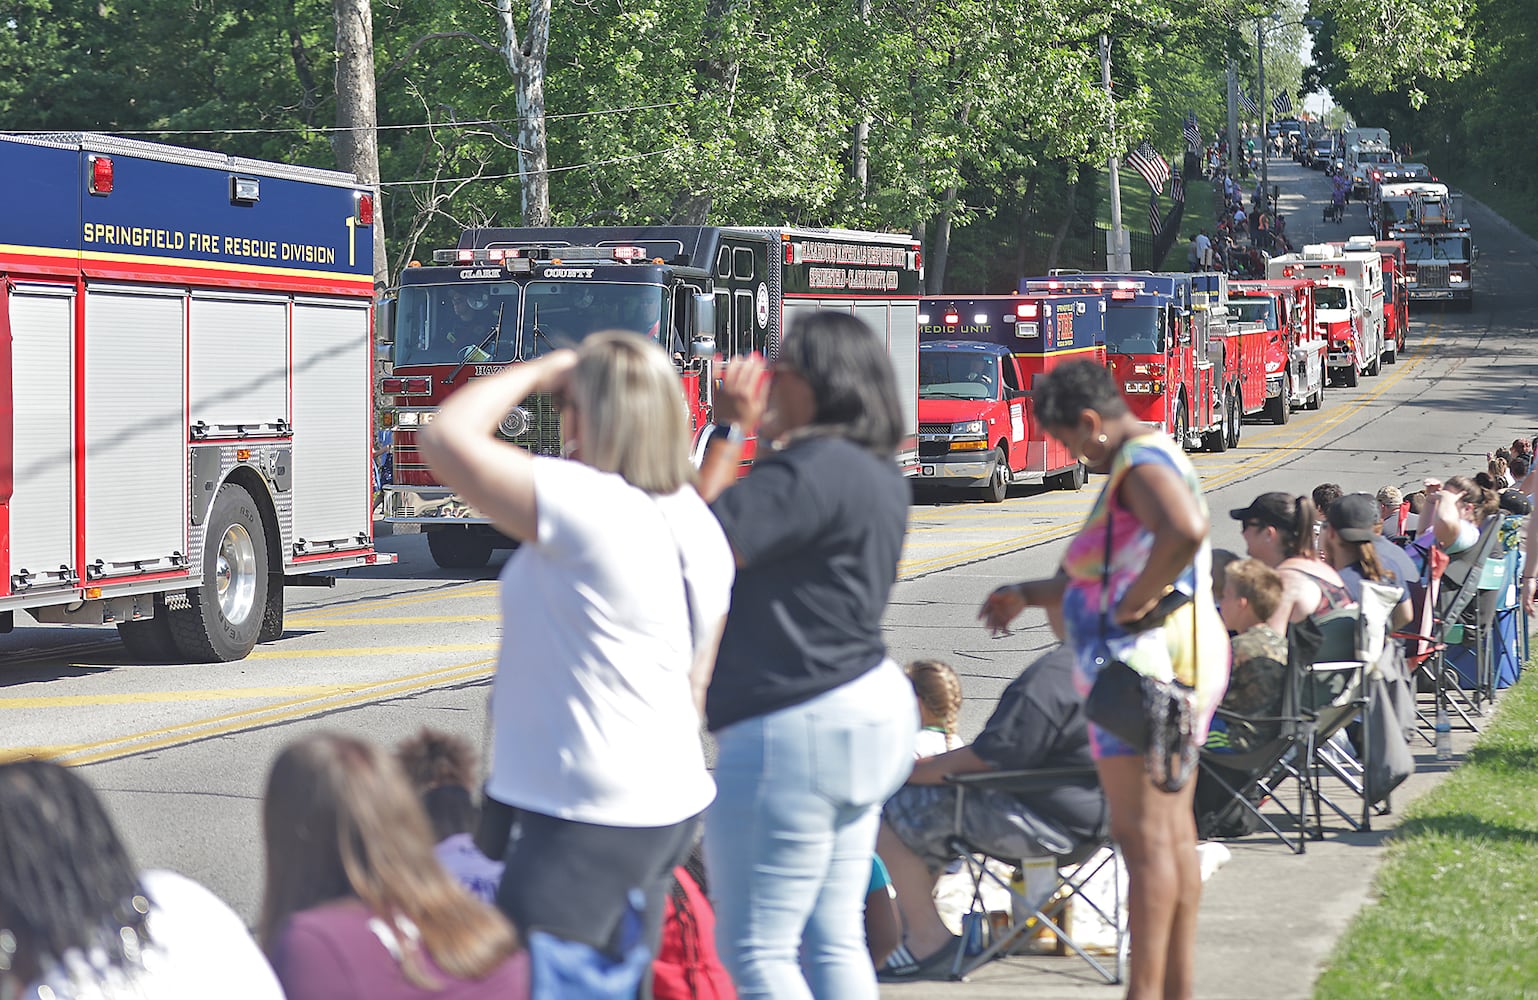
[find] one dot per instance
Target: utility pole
(1233, 117)
(1265, 133)
(1118, 253)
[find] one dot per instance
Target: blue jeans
(789, 838)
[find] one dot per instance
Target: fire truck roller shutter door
(332, 486)
(135, 429)
(897, 324)
(238, 370)
(43, 466)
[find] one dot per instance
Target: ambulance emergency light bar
(1022, 311)
(1303, 270)
(510, 255)
(1120, 289)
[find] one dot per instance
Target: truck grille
(544, 434)
(934, 428)
(1431, 276)
(934, 449)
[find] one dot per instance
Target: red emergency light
(629, 253)
(101, 175)
(466, 256)
(1028, 310)
(790, 252)
(1124, 294)
(417, 386)
(365, 209)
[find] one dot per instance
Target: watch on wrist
(731, 433)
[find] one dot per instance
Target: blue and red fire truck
(186, 338)
(978, 357)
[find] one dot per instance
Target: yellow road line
(283, 711)
(478, 589)
(156, 697)
(317, 654)
(404, 620)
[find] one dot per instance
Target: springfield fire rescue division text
(141, 237)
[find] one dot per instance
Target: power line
(327, 129)
(554, 170)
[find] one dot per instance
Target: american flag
(1155, 219)
(1282, 103)
(1250, 107)
(1177, 187)
(1146, 161)
(1192, 132)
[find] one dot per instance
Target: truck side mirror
(384, 324)
(704, 319)
(1476, 253)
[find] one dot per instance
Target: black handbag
(1154, 716)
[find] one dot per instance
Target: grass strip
(1457, 907)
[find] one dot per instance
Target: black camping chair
(1252, 770)
(1075, 869)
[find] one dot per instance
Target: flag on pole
(1177, 188)
(1250, 107)
(1155, 219)
(1154, 168)
(1282, 103)
(1192, 132)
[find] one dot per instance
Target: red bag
(687, 965)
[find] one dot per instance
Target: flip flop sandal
(936, 966)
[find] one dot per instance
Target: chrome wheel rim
(235, 574)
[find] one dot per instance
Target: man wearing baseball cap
(1354, 545)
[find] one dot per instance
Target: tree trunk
(357, 144)
(527, 64)
(1027, 218)
(1062, 230)
(862, 130)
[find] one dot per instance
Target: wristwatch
(731, 433)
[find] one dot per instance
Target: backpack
(687, 965)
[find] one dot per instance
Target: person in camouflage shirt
(1251, 592)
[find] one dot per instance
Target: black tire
(458, 547)
(1349, 377)
(1391, 356)
(1279, 408)
(1316, 400)
(149, 639)
(1181, 430)
(997, 490)
(1235, 418)
(1072, 480)
(1377, 365)
(1216, 440)
(226, 610)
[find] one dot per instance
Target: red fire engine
(186, 337)
(1238, 353)
(1396, 298)
(510, 295)
(977, 360)
(1283, 309)
(1157, 353)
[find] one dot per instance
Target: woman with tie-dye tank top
(1158, 543)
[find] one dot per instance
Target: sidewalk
(1269, 918)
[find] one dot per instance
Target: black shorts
(573, 880)
(1001, 825)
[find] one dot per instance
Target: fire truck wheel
(1182, 427)
(458, 548)
(1376, 366)
(149, 640)
(1349, 377)
(1216, 440)
(224, 613)
(997, 490)
(1074, 479)
(1391, 357)
(1279, 408)
(1316, 401)
(1235, 418)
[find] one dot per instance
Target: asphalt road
(181, 751)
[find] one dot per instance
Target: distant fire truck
(1238, 354)
(978, 358)
(1439, 248)
(185, 338)
(510, 295)
(1348, 301)
(1295, 348)
(1154, 348)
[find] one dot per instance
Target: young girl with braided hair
(939, 694)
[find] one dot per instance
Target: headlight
(969, 427)
(1456, 278)
(1272, 367)
(413, 418)
(515, 423)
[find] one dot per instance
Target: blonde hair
(634, 421)
(339, 820)
(939, 692)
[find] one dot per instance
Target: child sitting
(1251, 592)
(442, 772)
(939, 694)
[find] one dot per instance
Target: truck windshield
(957, 375)
(1396, 209)
(1436, 248)
(1262, 311)
(1133, 330)
(558, 314)
(1329, 297)
(447, 324)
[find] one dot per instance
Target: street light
(1311, 23)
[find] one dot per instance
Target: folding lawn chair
(1334, 696)
(1443, 618)
(1252, 770)
(1075, 869)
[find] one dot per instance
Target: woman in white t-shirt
(611, 613)
(77, 922)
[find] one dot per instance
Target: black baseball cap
(1354, 517)
(1514, 501)
(1275, 509)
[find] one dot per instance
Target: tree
(357, 117)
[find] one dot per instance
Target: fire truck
(1439, 248)
(1396, 298)
(509, 295)
(1348, 302)
(185, 338)
(1283, 310)
(1238, 356)
(978, 358)
(1156, 351)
